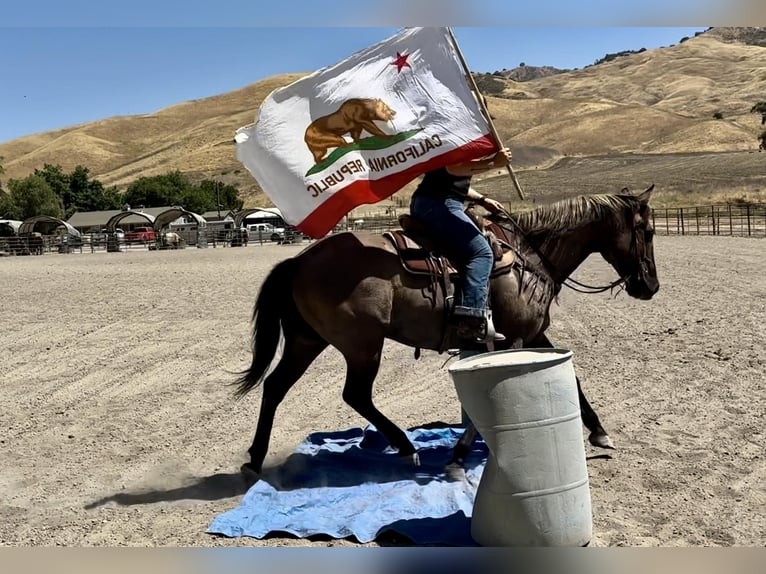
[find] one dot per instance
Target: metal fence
(739, 220)
(37, 244)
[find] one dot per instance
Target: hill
(647, 103)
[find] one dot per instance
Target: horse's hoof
(601, 440)
(454, 472)
(249, 473)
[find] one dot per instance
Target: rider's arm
(486, 202)
(468, 168)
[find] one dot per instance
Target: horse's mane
(575, 212)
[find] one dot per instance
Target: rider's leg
(472, 315)
(476, 273)
(463, 241)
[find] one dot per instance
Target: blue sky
(54, 77)
(64, 63)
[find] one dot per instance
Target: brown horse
(350, 291)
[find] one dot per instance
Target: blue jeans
(462, 241)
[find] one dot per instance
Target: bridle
(637, 249)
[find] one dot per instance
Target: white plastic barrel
(534, 490)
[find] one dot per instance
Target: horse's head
(631, 252)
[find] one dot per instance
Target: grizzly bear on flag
(353, 117)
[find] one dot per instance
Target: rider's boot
(475, 325)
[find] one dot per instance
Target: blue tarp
(352, 484)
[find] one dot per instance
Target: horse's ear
(646, 196)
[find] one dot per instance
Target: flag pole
(484, 109)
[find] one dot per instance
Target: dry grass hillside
(648, 105)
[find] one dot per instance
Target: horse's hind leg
(357, 392)
(598, 436)
(463, 446)
(299, 353)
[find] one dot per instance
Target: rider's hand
(502, 158)
(493, 206)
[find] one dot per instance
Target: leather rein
(573, 284)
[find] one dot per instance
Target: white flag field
(357, 132)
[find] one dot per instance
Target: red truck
(141, 235)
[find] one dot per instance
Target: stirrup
(491, 335)
(475, 325)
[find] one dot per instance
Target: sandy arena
(117, 426)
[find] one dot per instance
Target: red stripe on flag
(367, 191)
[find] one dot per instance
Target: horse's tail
(274, 301)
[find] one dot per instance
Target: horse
(351, 290)
(171, 240)
(32, 243)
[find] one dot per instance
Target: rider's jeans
(463, 241)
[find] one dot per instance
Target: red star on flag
(401, 62)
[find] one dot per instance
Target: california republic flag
(356, 132)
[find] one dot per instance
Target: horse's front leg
(598, 436)
(362, 368)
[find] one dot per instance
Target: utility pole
(218, 199)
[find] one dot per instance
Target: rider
(438, 202)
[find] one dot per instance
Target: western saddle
(421, 255)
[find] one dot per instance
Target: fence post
(683, 231)
(712, 217)
(697, 218)
(748, 220)
(731, 228)
(667, 222)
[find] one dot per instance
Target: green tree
(174, 188)
(760, 108)
(103, 198)
(89, 194)
(158, 190)
(57, 180)
(78, 192)
(33, 196)
(198, 200)
(7, 208)
(228, 194)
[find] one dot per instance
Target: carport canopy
(111, 225)
(169, 216)
(28, 225)
(9, 226)
(257, 213)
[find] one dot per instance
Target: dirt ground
(117, 427)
